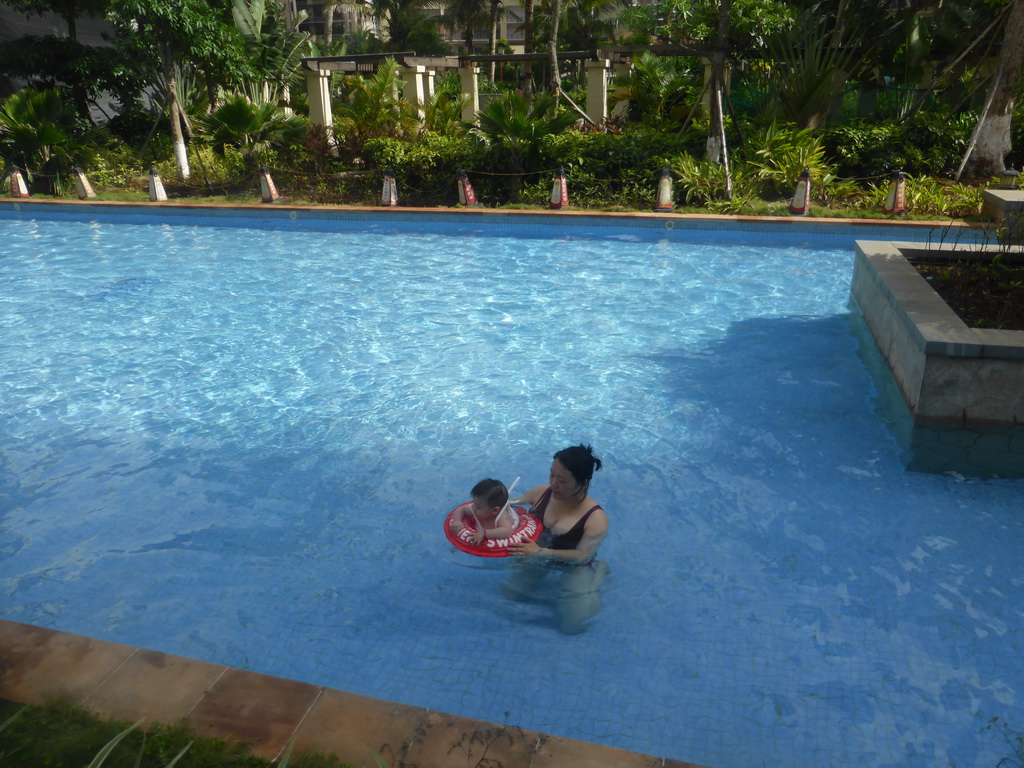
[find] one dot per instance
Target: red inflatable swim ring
(527, 527)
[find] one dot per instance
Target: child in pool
(489, 508)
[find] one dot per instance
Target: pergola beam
(417, 73)
(369, 61)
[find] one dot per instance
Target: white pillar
(469, 77)
(428, 83)
(412, 88)
(597, 90)
(318, 93)
(621, 69)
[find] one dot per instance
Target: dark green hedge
(928, 144)
(603, 170)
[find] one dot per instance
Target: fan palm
(251, 127)
(518, 127)
(657, 88)
(42, 133)
(810, 70)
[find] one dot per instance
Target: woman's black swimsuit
(568, 540)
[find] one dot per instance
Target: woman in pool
(574, 526)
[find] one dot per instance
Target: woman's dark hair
(580, 461)
(492, 492)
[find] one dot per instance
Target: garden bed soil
(982, 294)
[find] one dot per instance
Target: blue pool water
(235, 440)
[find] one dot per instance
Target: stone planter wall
(965, 384)
(1005, 207)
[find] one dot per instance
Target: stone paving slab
(131, 684)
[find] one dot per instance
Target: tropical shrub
(778, 155)
(703, 183)
(426, 170)
(369, 108)
(60, 733)
(928, 144)
(443, 110)
(833, 192)
(659, 90)
(43, 135)
(608, 169)
(251, 127)
(115, 166)
(133, 126)
(514, 128)
(928, 196)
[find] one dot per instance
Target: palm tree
(400, 18)
(497, 12)
(275, 48)
(369, 107)
(466, 15)
(42, 133)
(810, 68)
(657, 89)
(589, 22)
(252, 127)
(518, 126)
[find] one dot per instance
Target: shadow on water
(796, 376)
(783, 392)
(129, 286)
(871, 594)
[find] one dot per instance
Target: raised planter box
(1005, 207)
(963, 388)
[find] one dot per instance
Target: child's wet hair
(491, 492)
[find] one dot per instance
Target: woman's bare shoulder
(598, 520)
(533, 495)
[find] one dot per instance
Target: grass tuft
(61, 733)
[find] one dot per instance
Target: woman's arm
(531, 497)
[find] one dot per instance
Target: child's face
(482, 510)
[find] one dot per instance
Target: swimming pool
(236, 439)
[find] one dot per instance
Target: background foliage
(852, 119)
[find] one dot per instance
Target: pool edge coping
(625, 216)
(116, 681)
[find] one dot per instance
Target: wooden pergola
(418, 73)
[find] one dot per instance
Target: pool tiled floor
(127, 683)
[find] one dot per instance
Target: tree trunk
(556, 78)
(993, 130)
(73, 26)
(716, 130)
(492, 41)
(328, 25)
(528, 47)
(78, 92)
(715, 149)
(174, 114)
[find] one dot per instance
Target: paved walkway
(125, 683)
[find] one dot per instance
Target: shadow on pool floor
(126, 683)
